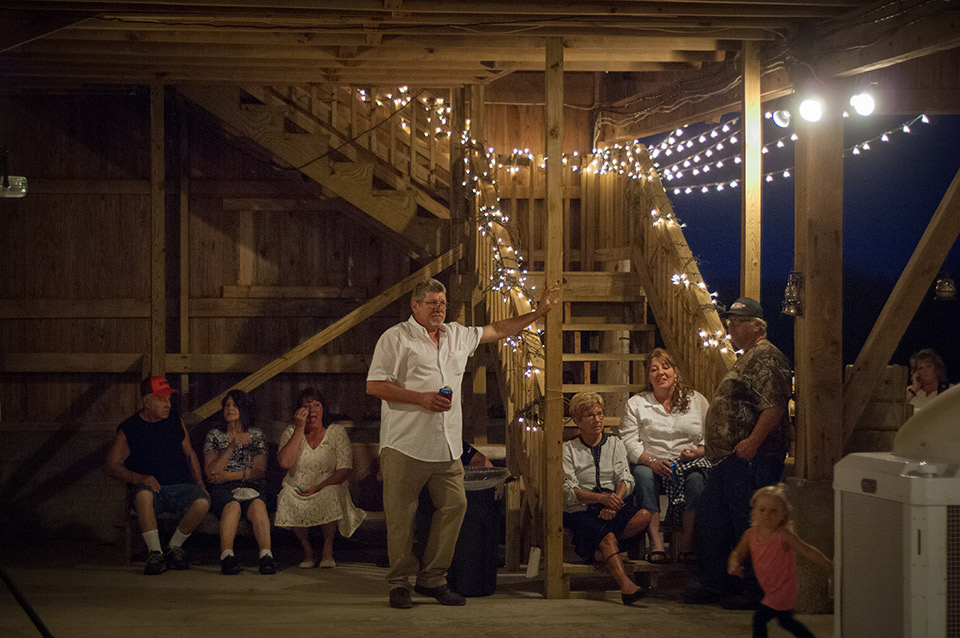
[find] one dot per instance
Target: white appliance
(897, 546)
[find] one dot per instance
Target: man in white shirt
(421, 432)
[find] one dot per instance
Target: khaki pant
(403, 478)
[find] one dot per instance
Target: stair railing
(502, 281)
(387, 124)
(683, 307)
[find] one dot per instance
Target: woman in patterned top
(318, 460)
(235, 461)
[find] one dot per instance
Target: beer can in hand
(447, 392)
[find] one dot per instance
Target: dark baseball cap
(157, 386)
(744, 307)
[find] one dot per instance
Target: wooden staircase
(376, 183)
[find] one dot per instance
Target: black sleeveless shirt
(157, 449)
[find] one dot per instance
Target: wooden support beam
(182, 363)
(86, 362)
(183, 200)
(818, 330)
(329, 333)
(918, 274)
(158, 250)
(878, 37)
(556, 584)
(293, 292)
(750, 216)
(19, 27)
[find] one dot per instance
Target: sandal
(657, 557)
(687, 557)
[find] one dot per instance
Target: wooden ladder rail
(683, 309)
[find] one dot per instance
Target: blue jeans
(175, 499)
(649, 486)
(723, 515)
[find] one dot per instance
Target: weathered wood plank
(750, 216)
(818, 352)
(158, 252)
(595, 286)
(604, 356)
(292, 292)
(331, 332)
(595, 326)
(602, 387)
(556, 585)
(70, 361)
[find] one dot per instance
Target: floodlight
(781, 118)
(811, 109)
(863, 103)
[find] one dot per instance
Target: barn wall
(75, 298)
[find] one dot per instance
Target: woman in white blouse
(662, 431)
(596, 484)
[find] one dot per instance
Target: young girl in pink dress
(772, 547)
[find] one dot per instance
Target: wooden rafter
(365, 42)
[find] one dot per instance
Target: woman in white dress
(318, 460)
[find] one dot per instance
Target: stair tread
(593, 326)
(605, 356)
(602, 387)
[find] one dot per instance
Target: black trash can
(473, 571)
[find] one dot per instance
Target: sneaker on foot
(443, 594)
(155, 564)
(328, 563)
(229, 565)
(267, 565)
(175, 559)
(400, 598)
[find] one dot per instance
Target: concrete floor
(84, 591)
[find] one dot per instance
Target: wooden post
(918, 274)
(354, 127)
(751, 182)
(158, 282)
(819, 258)
(556, 584)
(184, 247)
(412, 166)
(459, 214)
(477, 128)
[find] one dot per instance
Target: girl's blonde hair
(779, 492)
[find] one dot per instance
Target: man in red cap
(152, 454)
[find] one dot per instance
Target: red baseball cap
(157, 386)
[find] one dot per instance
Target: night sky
(890, 193)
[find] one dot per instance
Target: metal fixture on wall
(10, 185)
(792, 304)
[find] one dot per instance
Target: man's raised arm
(509, 327)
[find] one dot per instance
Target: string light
(772, 176)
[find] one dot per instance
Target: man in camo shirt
(746, 436)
